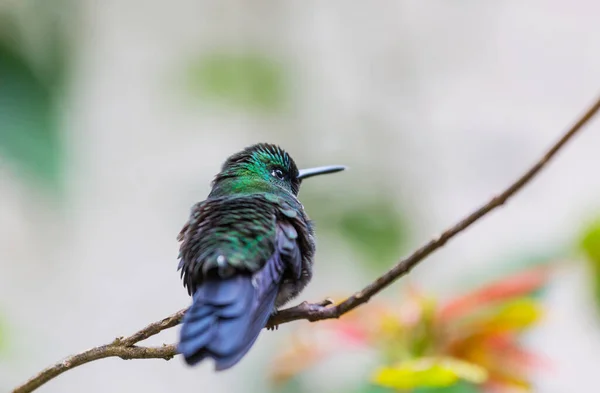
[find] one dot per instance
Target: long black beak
(322, 170)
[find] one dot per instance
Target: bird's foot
(273, 314)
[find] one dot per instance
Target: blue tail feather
(227, 315)
(199, 328)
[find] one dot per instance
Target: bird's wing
(239, 234)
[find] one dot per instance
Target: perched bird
(245, 251)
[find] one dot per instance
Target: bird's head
(264, 168)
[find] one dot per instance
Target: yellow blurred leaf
(516, 314)
(429, 372)
(512, 316)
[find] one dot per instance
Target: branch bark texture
(126, 348)
(123, 347)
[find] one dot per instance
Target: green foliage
(370, 388)
(28, 132)
(589, 243)
(374, 228)
(460, 387)
(2, 336)
(250, 81)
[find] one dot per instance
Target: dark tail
(227, 316)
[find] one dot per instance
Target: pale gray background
(448, 101)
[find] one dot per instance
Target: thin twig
(165, 352)
(125, 348)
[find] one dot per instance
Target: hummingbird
(245, 251)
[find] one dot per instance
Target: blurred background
(115, 116)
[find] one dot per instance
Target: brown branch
(125, 348)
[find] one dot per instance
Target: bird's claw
(273, 327)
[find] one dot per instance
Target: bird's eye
(278, 173)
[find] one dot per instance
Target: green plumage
(240, 228)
